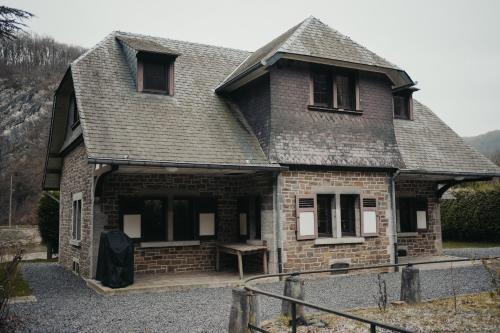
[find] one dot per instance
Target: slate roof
(140, 44)
(193, 126)
(313, 38)
(427, 144)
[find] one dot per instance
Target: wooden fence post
(294, 287)
(410, 285)
(245, 309)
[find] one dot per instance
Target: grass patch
(21, 287)
(463, 245)
(475, 313)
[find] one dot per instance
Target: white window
(336, 215)
(76, 226)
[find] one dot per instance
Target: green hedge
(474, 215)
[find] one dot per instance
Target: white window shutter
(306, 217)
(369, 225)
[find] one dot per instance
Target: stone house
(312, 146)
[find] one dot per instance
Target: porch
(179, 218)
(163, 282)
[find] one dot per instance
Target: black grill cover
(115, 262)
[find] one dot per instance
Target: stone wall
(424, 242)
(304, 254)
(76, 177)
(226, 189)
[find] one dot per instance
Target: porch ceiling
(440, 177)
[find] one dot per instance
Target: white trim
(342, 240)
(74, 242)
(77, 196)
(169, 244)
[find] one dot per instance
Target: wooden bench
(240, 250)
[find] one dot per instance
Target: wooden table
(239, 250)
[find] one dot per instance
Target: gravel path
(65, 304)
(474, 252)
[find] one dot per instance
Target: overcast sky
(452, 48)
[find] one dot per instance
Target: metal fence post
(294, 317)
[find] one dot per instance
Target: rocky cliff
(30, 70)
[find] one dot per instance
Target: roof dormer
(151, 64)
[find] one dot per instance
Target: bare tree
(12, 21)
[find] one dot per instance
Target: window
(325, 217)
(155, 73)
(168, 219)
(322, 89)
(402, 107)
(155, 76)
(409, 214)
(335, 90)
(76, 225)
(348, 214)
(73, 116)
(250, 217)
(331, 216)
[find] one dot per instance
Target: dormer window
(74, 117)
(403, 105)
(335, 90)
(155, 73)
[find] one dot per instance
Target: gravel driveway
(65, 304)
(473, 252)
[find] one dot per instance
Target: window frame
(416, 202)
(76, 228)
(408, 101)
(166, 60)
(334, 75)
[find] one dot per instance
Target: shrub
(8, 274)
(48, 221)
(474, 215)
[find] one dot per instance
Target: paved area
(66, 304)
(153, 283)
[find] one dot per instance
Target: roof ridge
(300, 28)
(138, 35)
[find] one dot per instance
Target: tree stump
(410, 285)
(245, 308)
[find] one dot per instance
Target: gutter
(112, 161)
(394, 238)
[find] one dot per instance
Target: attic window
(155, 73)
(334, 90)
(403, 106)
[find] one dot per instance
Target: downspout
(394, 239)
(276, 217)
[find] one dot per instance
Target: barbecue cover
(115, 262)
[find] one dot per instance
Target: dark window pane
(407, 214)
(322, 89)
(401, 107)
(155, 76)
(184, 226)
(73, 110)
(345, 92)
(153, 221)
(324, 203)
(348, 214)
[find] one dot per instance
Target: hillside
(488, 144)
(30, 69)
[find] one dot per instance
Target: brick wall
(76, 177)
(304, 254)
(426, 242)
(226, 189)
